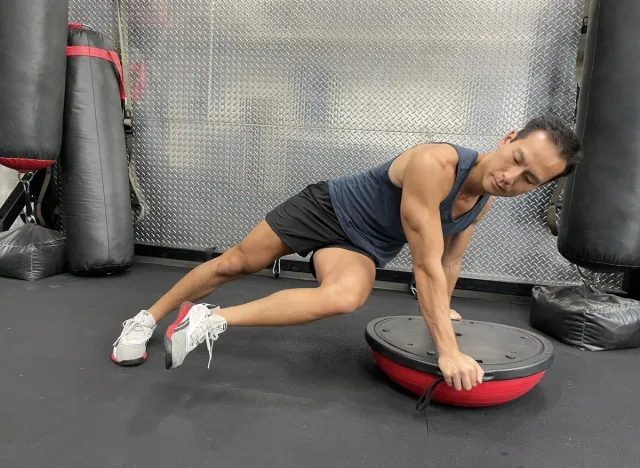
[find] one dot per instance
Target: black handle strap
(425, 399)
(554, 206)
(139, 201)
(26, 185)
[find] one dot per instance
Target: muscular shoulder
(432, 163)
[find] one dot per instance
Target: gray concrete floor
(302, 397)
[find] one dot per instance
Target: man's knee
(235, 262)
(346, 298)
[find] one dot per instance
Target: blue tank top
(367, 206)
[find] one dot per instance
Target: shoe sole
(168, 361)
(130, 362)
(184, 310)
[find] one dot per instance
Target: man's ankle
(155, 313)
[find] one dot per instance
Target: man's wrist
(444, 337)
(450, 352)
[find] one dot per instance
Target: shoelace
(209, 338)
(212, 336)
(133, 329)
(209, 335)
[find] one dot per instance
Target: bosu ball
(514, 360)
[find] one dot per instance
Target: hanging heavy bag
(96, 202)
(600, 224)
(599, 228)
(33, 37)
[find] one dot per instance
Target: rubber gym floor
(306, 396)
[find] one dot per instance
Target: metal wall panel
(240, 104)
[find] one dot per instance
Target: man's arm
(454, 249)
(425, 186)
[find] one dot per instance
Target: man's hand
(460, 371)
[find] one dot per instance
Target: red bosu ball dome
(514, 360)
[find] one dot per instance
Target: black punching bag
(599, 225)
(33, 37)
(96, 202)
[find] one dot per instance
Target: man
(430, 196)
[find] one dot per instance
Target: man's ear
(509, 137)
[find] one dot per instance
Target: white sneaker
(195, 324)
(130, 349)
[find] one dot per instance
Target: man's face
(520, 166)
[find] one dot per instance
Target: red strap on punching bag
(111, 56)
(25, 165)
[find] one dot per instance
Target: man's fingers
(473, 378)
(457, 382)
(448, 380)
(466, 381)
(466, 373)
(479, 373)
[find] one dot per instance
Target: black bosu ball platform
(514, 360)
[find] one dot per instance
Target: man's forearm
(452, 272)
(431, 285)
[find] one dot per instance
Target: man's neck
(472, 187)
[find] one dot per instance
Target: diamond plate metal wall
(239, 104)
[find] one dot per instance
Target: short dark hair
(561, 135)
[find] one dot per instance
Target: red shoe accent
(184, 310)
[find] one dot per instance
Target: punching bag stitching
(593, 55)
(617, 264)
(33, 252)
(584, 329)
(99, 146)
(49, 243)
(586, 105)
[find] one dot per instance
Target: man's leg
(346, 279)
(255, 252)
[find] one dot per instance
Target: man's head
(544, 150)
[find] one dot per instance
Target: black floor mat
(306, 396)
